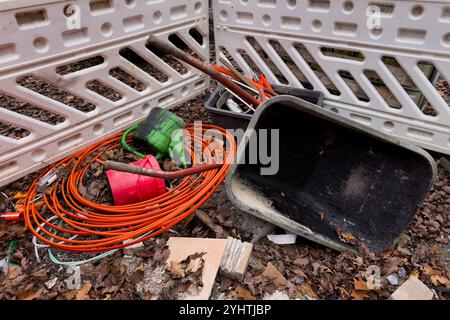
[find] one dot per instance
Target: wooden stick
(205, 219)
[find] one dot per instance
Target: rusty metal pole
(167, 175)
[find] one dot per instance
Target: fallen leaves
(176, 270)
(273, 275)
(111, 289)
(69, 295)
(361, 289)
(307, 290)
(83, 293)
(243, 293)
(99, 169)
(359, 295)
(41, 273)
(191, 264)
(440, 280)
(3, 230)
(392, 264)
(137, 276)
(302, 262)
(359, 261)
(360, 285)
(316, 267)
(14, 272)
(436, 276)
(30, 295)
(346, 237)
(434, 250)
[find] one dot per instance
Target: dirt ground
(306, 270)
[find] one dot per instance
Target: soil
(311, 270)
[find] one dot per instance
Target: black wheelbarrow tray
(339, 183)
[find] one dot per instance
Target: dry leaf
(14, 272)
(194, 265)
(359, 261)
(299, 272)
(302, 262)
(435, 250)
(111, 289)
(306, 289)
(359, 295)
(176, 270)
(99, 171)
(137, 276)
(316, 267)
(141, 267)
(392, 264)
(430, 271)
(69, 295)
(3, 230)
(41, 273)
(344, 293)
(274, 275)
(83, 293)
(440, 280)
(30, 295)
(346, 237)
(243, 293)
(360, 285)
(404, 251)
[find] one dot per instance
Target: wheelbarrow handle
(167, 175)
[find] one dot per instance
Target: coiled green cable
(125, 144)
(127, 147)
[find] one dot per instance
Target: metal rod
(237, 73)
(240, 99)
(242, 77)
(244, 85)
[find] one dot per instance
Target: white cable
(68, 263)
(41, 245)
(78, 263)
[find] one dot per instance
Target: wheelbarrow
(339, 183)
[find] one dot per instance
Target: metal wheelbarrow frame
(341, 184)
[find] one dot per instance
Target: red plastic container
(128, 188)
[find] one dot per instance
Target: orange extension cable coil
(79, 225)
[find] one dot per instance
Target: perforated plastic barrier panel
(382, 63)
(73, 72)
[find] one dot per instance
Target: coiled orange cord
(84, 226)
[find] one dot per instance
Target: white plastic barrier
(376, 61)
(74, 72)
